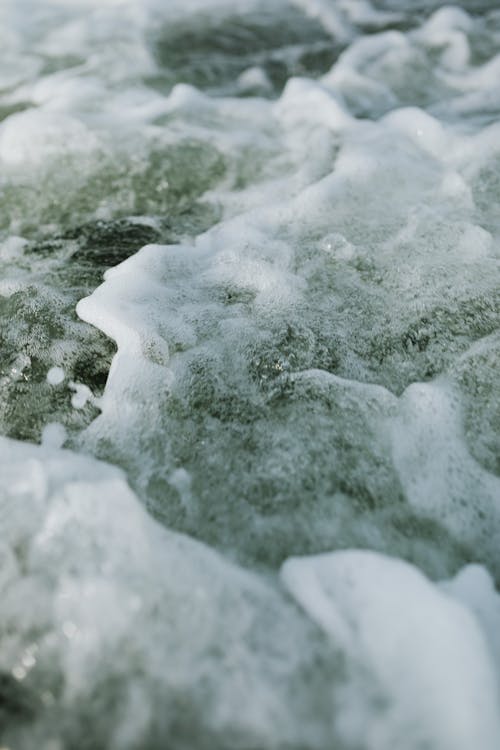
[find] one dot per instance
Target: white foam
(446, 482)
(425, 652)
(101, 587)
(29, 139)
(474, 587)
(316, 371)
(53, 435)
(55, 376)
(82, 394)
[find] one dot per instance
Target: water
(249, 481)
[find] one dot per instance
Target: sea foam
(250, 489)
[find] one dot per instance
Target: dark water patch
(10, 109)
(106, 243)
(43, 332)
(17, 702)
(162, 179)
(211, 51)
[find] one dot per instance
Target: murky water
(250, 479)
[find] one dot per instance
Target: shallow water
(250, 479)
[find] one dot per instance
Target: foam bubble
(55, 376)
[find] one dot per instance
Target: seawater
(249, 392)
